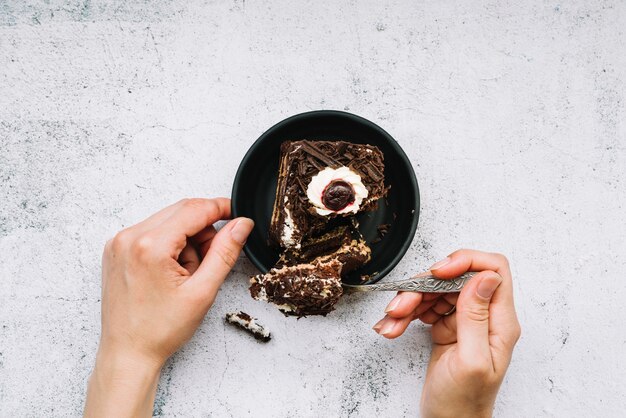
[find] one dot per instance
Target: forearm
(121, 386)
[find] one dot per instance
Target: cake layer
(322, 180)
(341, 243)
(300, 290)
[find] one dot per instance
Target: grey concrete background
(513, 116)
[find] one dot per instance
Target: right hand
(472, 347)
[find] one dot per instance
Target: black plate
(254, 188)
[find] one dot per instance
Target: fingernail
(378, 325)
(387, 329)
(488, 286)
(241, 230)
(393, 304)
(440, 264)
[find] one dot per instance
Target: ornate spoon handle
(421, 283)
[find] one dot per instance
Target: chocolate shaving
(302, 186)
(373, 173)
(299, 162)
(313, 149)
(382, 230)
(307, 289)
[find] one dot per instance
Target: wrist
(122, 384)
(120, 366)
(122, 362)
(446, 410)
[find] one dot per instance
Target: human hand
(159, 278)
(472, 346)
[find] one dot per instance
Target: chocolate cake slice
(321, 186)
(322, 180)
(299, 269)
(343, 244)
(300, 290)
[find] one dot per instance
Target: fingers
(191, 217)
(461, 261)
(503, 323)
(424, 307)
(390, 327)
(502, 305)
(504, 326)
(403, 304)
(442, 307)
(156, 219)
(473, 316)
(444, 330)
(189, 259)
(169, 228)
(435, 309)
(203, 239)
(451, 298)
(221, 257)
(485, 308)
(407, 303)
(394, 326)
(429, 312)
(429, 317)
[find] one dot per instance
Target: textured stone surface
(512, 113)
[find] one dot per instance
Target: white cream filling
(289, 228)
(286, 308)
(251, 325)
(262, 295)
(318, 184)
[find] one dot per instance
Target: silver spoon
(425, 282)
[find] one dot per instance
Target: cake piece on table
(246, 322)
(322, 180)
(300, 290)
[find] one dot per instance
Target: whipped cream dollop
(336, 190)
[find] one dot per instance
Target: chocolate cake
(321, 186)
(322, 180)
(343, 244)
(300, 290)
(247, 323)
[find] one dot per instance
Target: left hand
(159, 279)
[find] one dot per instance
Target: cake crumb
(382, 231)
(247, 323)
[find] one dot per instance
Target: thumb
(472, 316)
(222, 254)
